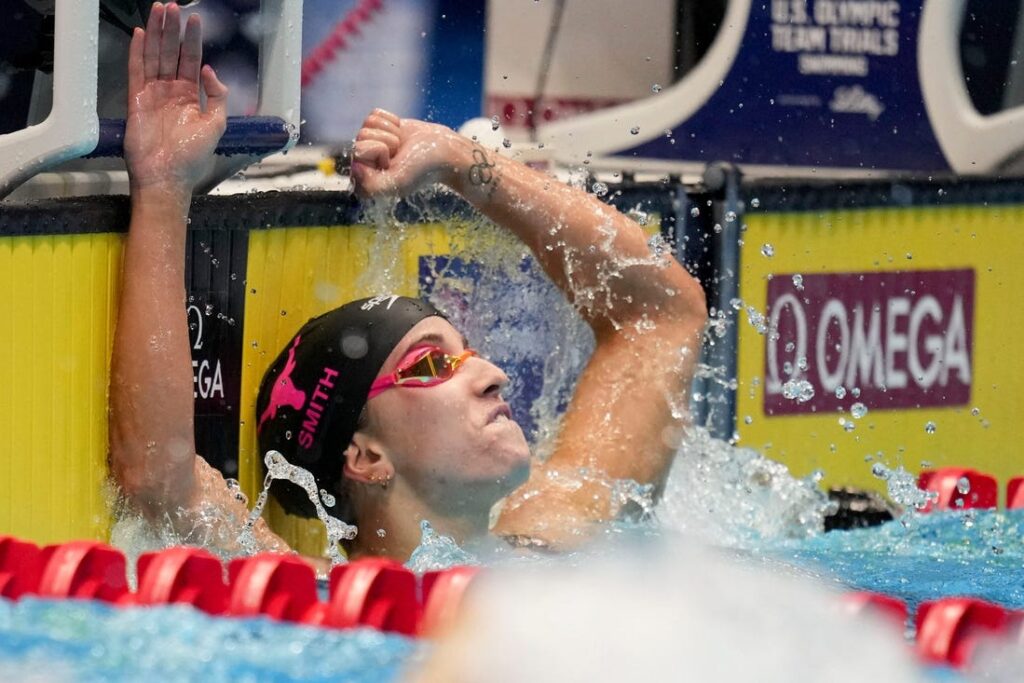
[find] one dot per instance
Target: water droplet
(929, 427)
(767, 250)
(748, 420)
(655, 88)
(327, 498)
(381, 533)
(236, 490)
(975, 412)
(635, 130)
(800, 390)
(494, 122)
(209, 309)
(858, 410)
(506, 143)
(879, 470)
(855, 392)
(284, 312)
(798, 282)
(730, 216)
(694, 212)
(717, 228)
(790, 347)
(840, 392)
(600, 189)
(963, 485)
(755, 203)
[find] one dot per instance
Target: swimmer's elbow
(684, 310)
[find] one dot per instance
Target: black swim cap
(311, 397)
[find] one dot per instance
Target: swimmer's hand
(394, 156)
(169, 138)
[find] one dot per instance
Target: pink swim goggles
(422, 367)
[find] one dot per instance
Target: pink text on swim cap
(315, 409)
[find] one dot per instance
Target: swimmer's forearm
(151, 440)
(588, 248)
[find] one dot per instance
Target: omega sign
(904, 339)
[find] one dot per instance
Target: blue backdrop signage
(816, 83)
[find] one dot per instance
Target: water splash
(902, 487)
(279, 468)
(437, 552)
(736, 497)
(384, 267)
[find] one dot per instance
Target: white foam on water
(997, 660)
(672, 611)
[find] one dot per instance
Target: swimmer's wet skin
(446, 451)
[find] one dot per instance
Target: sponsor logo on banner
(902, 339)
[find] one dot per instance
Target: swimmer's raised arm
(169, 142)
(647, 314)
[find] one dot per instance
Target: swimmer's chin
(517, 475)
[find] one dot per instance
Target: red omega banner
(889, 340)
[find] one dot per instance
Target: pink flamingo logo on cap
(283, 393)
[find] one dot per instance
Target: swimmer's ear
(366, 460)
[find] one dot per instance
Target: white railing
(73, 128)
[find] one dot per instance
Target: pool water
(977, 553)
(89, 641)
(920, 557)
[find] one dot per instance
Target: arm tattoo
(483, 173)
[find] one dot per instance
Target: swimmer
(382, 399)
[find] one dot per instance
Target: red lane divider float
(442, 595)
(20, 563)
(1015, 493)
(282, 587)
(375, 592)
(948, 630)
(83, 569)
(982, 491)
(188, 576)
(891, 609)
(372, 593)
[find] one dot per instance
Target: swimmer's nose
(488, 378)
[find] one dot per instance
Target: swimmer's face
(454, 439)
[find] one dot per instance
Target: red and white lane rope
(338, 39)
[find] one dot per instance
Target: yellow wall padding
(58, 312)
(294, 274)
(983, 238)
